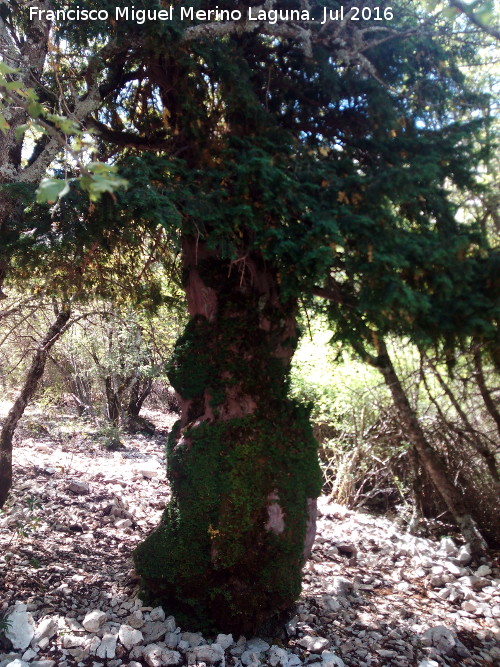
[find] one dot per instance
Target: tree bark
(242, 459)
(429, 458)
(481, 383)
(30, 385)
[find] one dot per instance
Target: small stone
(208, 653)
(331, 603)
(313, 644)
(225, 641)
(291, 627)
(156, 614)
(193, 638)
(107, 647)
(135, 619)
(121, 524)
(152, 655)
(471, 606)
(341, 586)
(482, 571)
(129, 636)
(170, 658)
(94, 620)
(17, 663)
(448, 547)
(331, 660)
(464, 555)
(257, 645)
(46, 628)
(42, 663)
(170, 624)
(172, 639)
(29, 655)
(454, 569)
(79, 488)
(250, 659)
(153, 631)
(442, 639)
(278, 656)
(72, 641)
(94, 645)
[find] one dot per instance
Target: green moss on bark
(213, 534)
(242, 462)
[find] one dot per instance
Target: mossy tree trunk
(242, 460)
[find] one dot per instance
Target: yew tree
(267, 151)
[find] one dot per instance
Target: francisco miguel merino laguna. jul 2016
(271, 16)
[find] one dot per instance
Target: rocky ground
(372, 596)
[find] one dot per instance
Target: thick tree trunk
(242, 460)
(31, 381)
(429, 458)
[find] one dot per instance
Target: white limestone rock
(94, 620)
(448, 547)
(46, 628)
(171, 658)
(129, 636)
(482, 571)
(442, 639)
(277, 656)
(21, 627)
(257, 645)
(78, 488)
(136, 619)
(157, 614)
(107, 647)
(152, 655)
(225, 641)
(329, 659)
(314, 644)
(250, 659)
(208, 653)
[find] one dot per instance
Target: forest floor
(372, 596)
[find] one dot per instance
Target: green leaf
(20, 130)
(66, 125)
(6, 69)
(35, 109)
(50, 190)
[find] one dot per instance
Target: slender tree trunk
(112, 401)
(480, 447)
(242, 459)
(31, 381)
(481, 383)
(429, 458)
